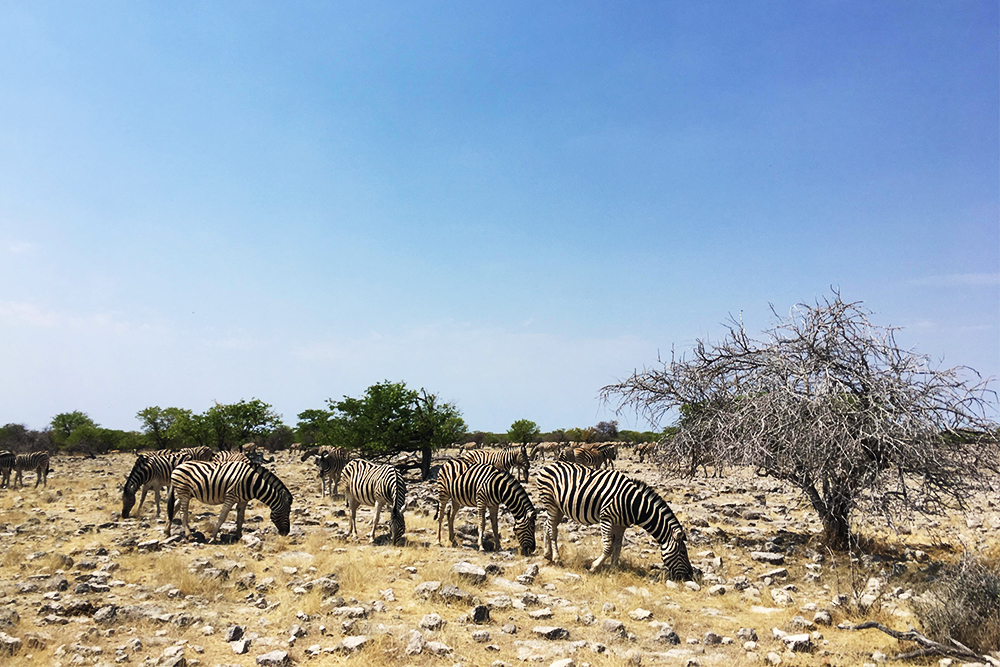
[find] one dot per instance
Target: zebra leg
(482, 522)
(440, 518)
(616, 544)
(607, 541)
(222, 518)
(142, 499)
(353, 505)
(551, 549)
(452, 511)
(494, 510)
(185, 506)
(241, 510)
(156, 495)
(378, 510)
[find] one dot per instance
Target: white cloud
(958, 280)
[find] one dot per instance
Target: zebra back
(230, 456)
(596, 496)
(501, 459)
(199, 453)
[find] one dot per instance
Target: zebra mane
(658, 502)
(285, 496)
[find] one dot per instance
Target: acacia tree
(390, 418)
(523, 431)
(830, 403)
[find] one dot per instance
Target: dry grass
(364, 571)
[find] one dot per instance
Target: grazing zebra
(474, 485)
(37, 461)
(616, 502)
(6, 465)
(367, 483)
(502, 459)
(149, 472)
(230, 456)
(228, 484)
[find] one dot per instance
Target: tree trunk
(425, 463)
(834, 512)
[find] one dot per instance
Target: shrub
(963, 603)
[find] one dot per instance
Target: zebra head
(132, 484)
(524, 528)
(675, 556)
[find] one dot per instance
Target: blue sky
(509, 205)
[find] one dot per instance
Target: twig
(930, 647)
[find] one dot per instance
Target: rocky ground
(81, 586)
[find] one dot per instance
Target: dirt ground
(81, 586)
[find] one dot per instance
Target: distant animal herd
(581, 485)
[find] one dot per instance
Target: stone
(351, 644)
(427, 588)
(481, 636)
(9, 645)
(480, 614)
(692, 585)
(611, 626)
(747, 634)
(773, 658)
(801, 643)
(234, 632)
(551, 632)
(823, 618)
(712, 638)
(718, 589)
(105, 615)
(240, 646)
(540, 614)
(450, 593)
(509, 629)
(565, 662)
(469, 572)
(438, 648)
(432, 622)
(416, 644)
(667, 636)
(274, 659)
(768, 557)
(640, 614)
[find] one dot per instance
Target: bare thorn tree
(830, 403)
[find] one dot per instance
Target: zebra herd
(576, 487)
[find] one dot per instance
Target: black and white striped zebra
(149, 473)
(464, 484)
(6, 465)
(228, 484)
(372, 484)
(615, 501)
(35, 461)
(331, 464)
(502, 459)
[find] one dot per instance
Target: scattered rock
(469, 572)
(551, 632)
(274, 659)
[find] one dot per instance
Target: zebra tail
(170, 508)
(399, 503)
